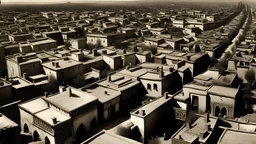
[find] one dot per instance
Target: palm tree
(123, 131)
(250, 77)
(247, 94)
(154, 140)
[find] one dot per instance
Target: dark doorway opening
(26, 129)
(80, 134)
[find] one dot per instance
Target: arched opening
(25, 128)
(217, 111)
(93, 124)
(80, 134)
(149, 87)
(195, 103)
(223, 112)
(36, 136)
(155, 87)
(46, 140)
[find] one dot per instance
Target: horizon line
(98, 1)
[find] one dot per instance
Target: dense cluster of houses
(69, 73)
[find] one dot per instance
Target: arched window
(46, 140)
(149, 87)
(36, 136)
(217, 111)
(155, 87)
(223, 112)
(25, 128)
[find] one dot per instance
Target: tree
(123, 131)
(51, 86)
(222, 30)
(153, 49)
(154, 140)
(222, 65)
(213, 60)
(250, 77)
(254, 32)
(90, 46)
(79, 81)
(227, 55)
(176, 31)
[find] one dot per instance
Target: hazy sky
(54, 1)
(59, 1)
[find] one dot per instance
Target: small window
(149, 87)
(155, 87)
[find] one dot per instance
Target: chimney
(188, 57)
(54, 120)
(188, 125)
(81, 50)
(124, 51)
(46, 94)
(25, 75)
(62, 89)
(94, 52)
(6, 78)
(142, 112)
(166, 95)
(109, 78)
(202, 135)
(127, 67)
(206, 118)
(53, 63)
(68, 90)
(57, 64)
(106, 92)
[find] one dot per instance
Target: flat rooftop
(43, 42)
(103, 94)
(230, 136)
(196, 85)
(48, 114)
(69, 102)
(62, 64)
(191, 134)
(249, 117)
(4, 82)
(223, 91)
(154, 75)
(133, 72)
(34, 106)
(6, 123)
(105, 137)
(19, 83)
(150, 107)
(118, 82)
